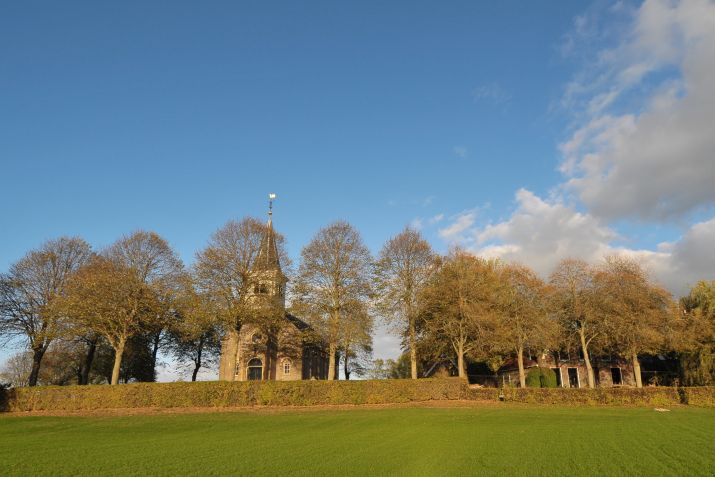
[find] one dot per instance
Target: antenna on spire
(271, 198)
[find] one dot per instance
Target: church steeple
(268, 258)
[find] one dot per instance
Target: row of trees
(125, 304)
(490, 311)
(135, 298)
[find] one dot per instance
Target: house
(291, 352)
(571, 372)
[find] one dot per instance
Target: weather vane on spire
(271, 198)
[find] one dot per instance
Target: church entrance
(255, 370)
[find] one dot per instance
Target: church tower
(242, 350)
(282, 347)
(269, 280)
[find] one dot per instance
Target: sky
(529, 131)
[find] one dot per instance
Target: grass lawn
(490, 440)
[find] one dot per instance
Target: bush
(620, 396)
(698, 396)
(219, 394)
(230, 394)
(541, 378)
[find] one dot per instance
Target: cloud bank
(642, 148)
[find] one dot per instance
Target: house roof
(511, 364)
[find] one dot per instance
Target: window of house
(256, 338)
(616, 377)
(286, 366)
(573, 377)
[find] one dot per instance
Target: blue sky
(523, 130)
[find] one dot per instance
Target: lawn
(489, 440)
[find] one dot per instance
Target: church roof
(297, 322)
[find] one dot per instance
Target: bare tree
(111, 300)
(194, 337)
(574, 301)
(29, 287)
(405, 264)
(524, 320)
(333, 276)
(459, 303)
(356, 339)
(157, 265)
(637, 313)
(16, 370)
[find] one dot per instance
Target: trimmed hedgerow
(652, 396)
(229, 394)
(310, 393)
(701, 396)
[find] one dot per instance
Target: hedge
(617, 396)
(230, 394)
(217, 394)
(701, 396)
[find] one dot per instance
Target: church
(293, 352)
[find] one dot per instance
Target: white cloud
(386, 344)
(435, 219)
(416, 223)
(461, 223)
(657, 163)
(680, 264)
(541, 232)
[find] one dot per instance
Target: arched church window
(257, 338)
(286, 366)
(255, 369)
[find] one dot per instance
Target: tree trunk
(197, 362)
(460, 360)
(154, 352)
(87, 364)
(587, 360)
(413, 351)
(118, 352)
(520, 362)
(332, 349)
(637, 370)
(345, 366)
(37, 355)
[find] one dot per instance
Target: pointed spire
(268, 258)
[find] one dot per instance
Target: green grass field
(491, 440)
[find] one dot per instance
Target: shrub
(541, 378)
(699, 396)
(228, 394)
(309, 393)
